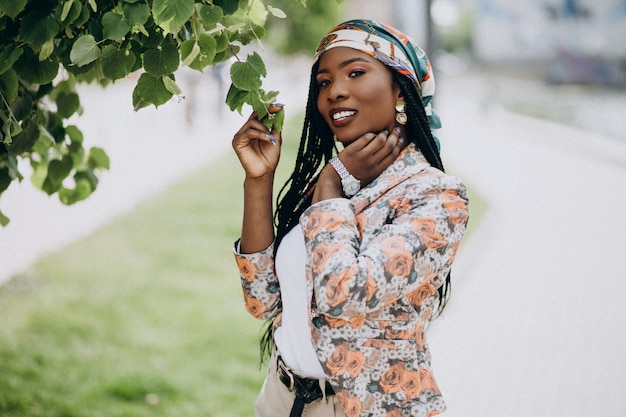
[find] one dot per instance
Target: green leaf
(98, 158)
(46, 50)
(4, 220)
(114, 26)
(93, 4)
(257, 13)
(30, 69)
(206, 57)
(222, 42)
(81, 191)
(36, 28)
(116, 63)
(75, 13)
(8, 56)
(12, 8)
(74, 133)
(236, 98)
(58, 170)
(84, 50)
(137, 13)
(171, 15)
(279, 120)
(67, 7)
(210, 15)
(8, 85)
(171, 85)
(229, 6)
(5, 179)
(189, 50)
(163, 59)
(67, 104)
(276, 12)
(25, 140)
(247, 75)
(150, 90)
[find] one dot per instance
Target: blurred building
(577, 40)
(580, 41)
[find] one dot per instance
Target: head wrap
(392, 48)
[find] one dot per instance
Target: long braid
(418, 131)
(315, 150)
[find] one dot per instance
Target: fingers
(275, 107)
(383, 144)
(253, 129)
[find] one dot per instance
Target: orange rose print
(253, 306)
(393, 245)
(354, 322)
(400, 334)
(338, 288)
(422, 293)
(391, 380)
(343, 360)
(428, 381)
(322, 220)
(411, 384)
(396, 412)
(401, 205)
(370, 289)
(455, 206)
(245, 268)
(399, 265)
(351, 405)
(321, 254)
(429, 236)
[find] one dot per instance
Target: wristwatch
(350, 184)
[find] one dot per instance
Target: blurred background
(129, 301)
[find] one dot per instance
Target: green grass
(143, 318)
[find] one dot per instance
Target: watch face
(351, 188)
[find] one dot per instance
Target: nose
(338, 91)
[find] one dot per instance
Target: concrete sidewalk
(536, 323)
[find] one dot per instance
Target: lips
(342, 117)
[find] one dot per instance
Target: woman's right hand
(257, 148)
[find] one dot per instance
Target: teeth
(343, 114)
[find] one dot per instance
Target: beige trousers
(275, 400)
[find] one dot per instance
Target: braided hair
(317, 147)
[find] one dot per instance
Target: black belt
(305, 389)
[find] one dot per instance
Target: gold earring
(401, 116)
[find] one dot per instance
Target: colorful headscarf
(391, 47)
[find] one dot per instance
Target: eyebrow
(344, 64)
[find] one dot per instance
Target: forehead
(336, 57)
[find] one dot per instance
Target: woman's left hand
(365, 158)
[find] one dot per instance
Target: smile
(343, 114)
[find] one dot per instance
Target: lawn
(142, 318)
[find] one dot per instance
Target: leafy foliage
(47, 47)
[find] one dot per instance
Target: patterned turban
(391, 47)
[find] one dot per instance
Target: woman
(364, 237)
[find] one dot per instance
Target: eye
(356, 73)
(323, 83)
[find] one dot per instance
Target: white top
(293, 337)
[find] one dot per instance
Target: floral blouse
(374, 264)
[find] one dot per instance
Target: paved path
(537, 323)
(536, 326)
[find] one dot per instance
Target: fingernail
(271, 138)
(401, 140)
(386, 131)
(278, 105)
(397, 129)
